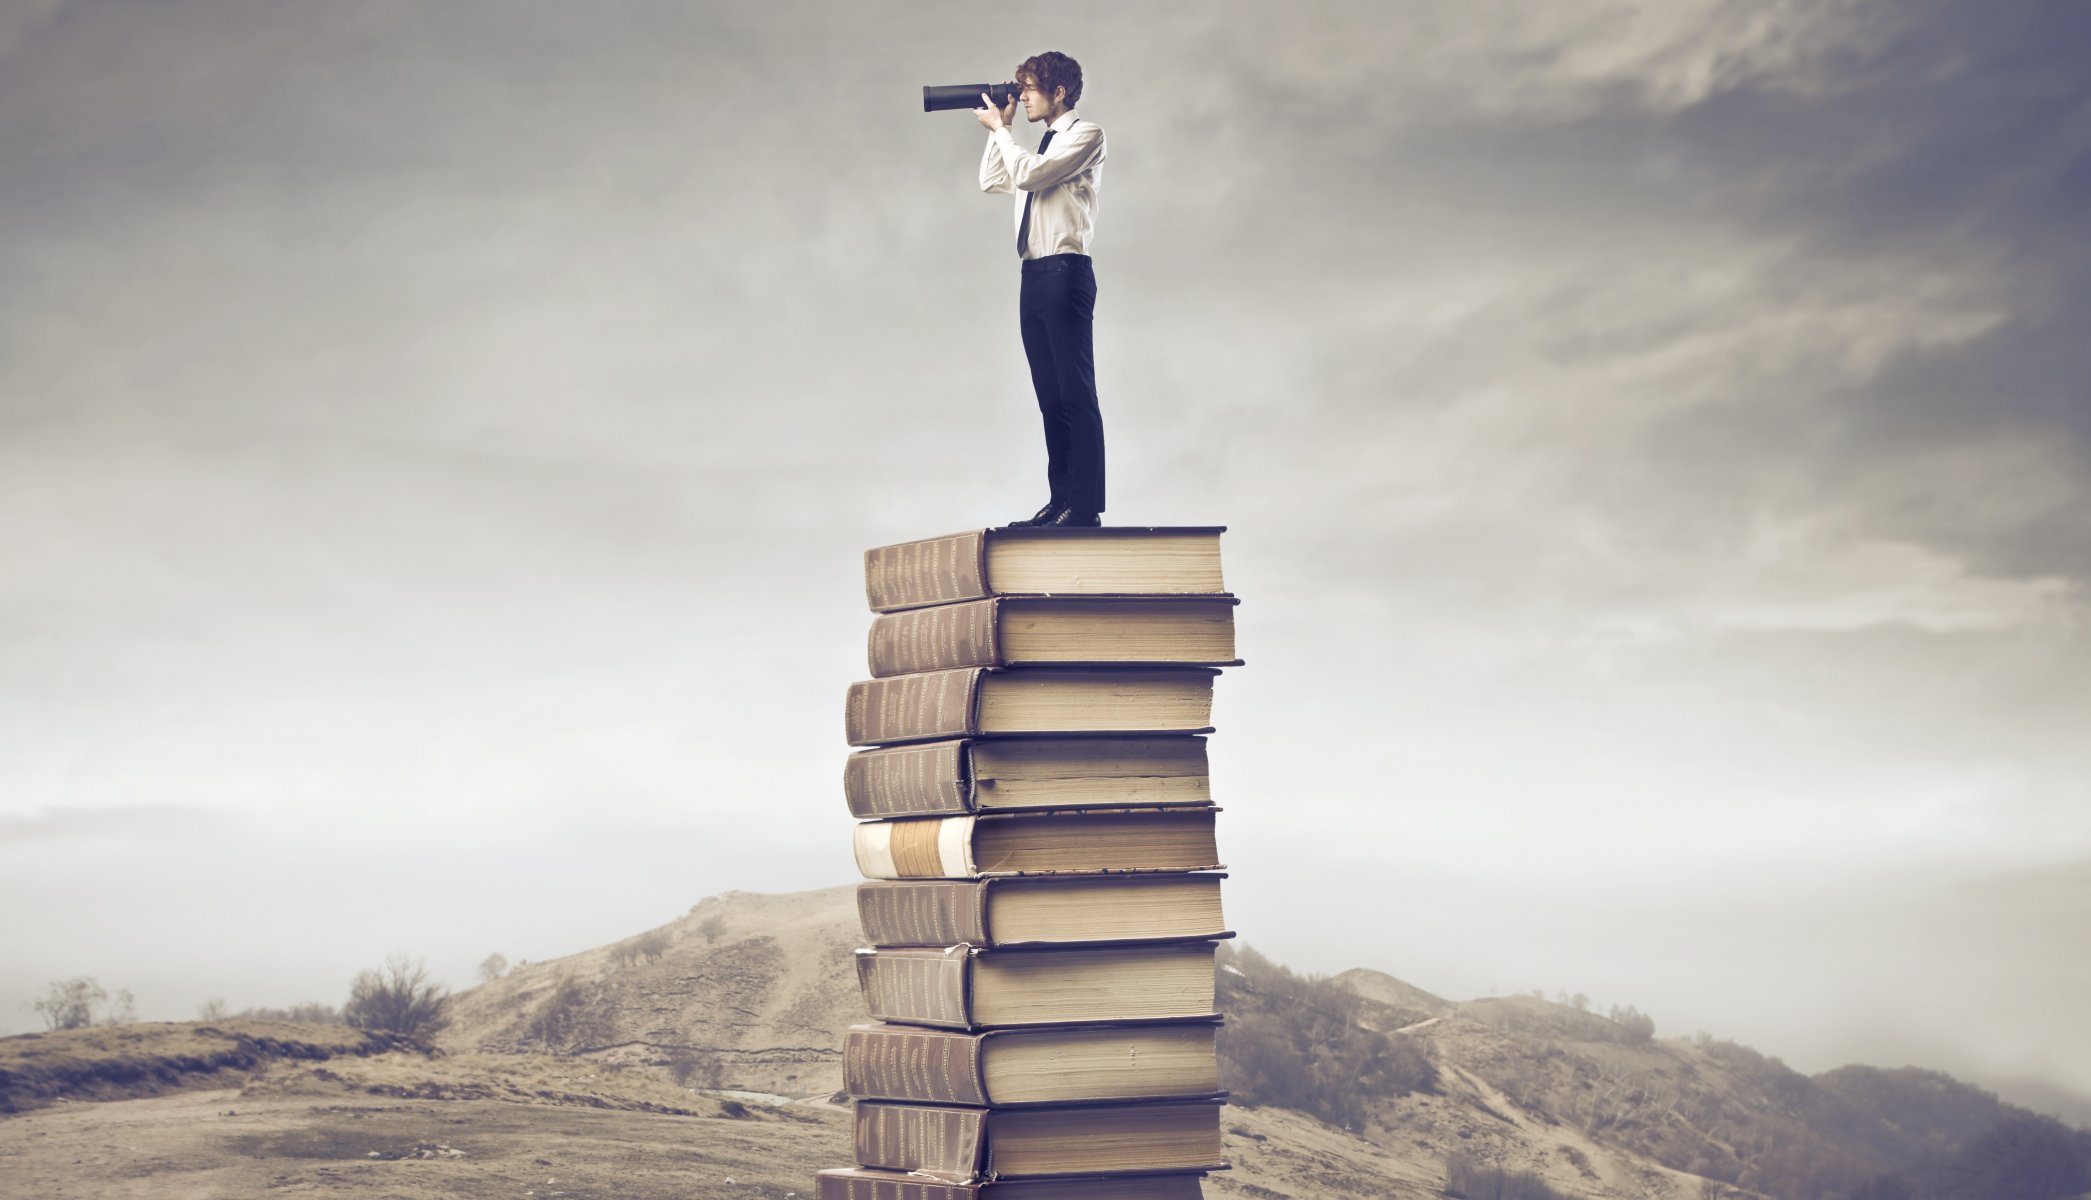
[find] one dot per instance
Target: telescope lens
(943, 97)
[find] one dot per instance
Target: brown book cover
(913, 708)
(866, 1183)
(944, 1066)
(1094, 630)
(931, 912)
(942, 912)
(963, 775)
(918, 986)
(964, 987)
(918, 780)
(954, 567)
(936, 570)
(938, 638)
(958, 1145)
(1093, 841)
(949, 1143)
(930, 705)
(898, 1062)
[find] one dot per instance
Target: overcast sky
(437, 442)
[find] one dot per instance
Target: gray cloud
(1788, 289)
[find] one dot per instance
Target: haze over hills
(1595, 1104)
(1355, 1087)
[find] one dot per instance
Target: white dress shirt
(1062, 183)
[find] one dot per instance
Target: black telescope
(967, 95)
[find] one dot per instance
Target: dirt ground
(302, 1130)
(208, 1145)
(219, 1145)
(494, 1127)
(411, 1125)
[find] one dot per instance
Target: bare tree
(71, 1003)
(401, 998)
(1635, 1026)
(711, 927)
(123, 1008)
(212, 1009)
(493, 967)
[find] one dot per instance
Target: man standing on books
(1054, 222)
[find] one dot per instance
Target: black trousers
(1056, 309)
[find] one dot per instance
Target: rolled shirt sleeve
(1070, 154)
(994, 175)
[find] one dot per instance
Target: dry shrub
(400, 998)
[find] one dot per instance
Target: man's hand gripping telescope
(993, 118)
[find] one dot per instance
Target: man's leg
(1069, 325)
(1032, 303)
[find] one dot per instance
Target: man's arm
(994, 177)
(1070, 154)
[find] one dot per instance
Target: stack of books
(1036, 815)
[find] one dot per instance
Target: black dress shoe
(1038, 518)
(1072, 517)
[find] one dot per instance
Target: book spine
(923, 914)
(934, 639)
(935, 571)
(916, 848)
(870, 1183)
(845, 1185)
(927, 1066)
(912, 708)
(914, 988)
(905, 1137)
(908, 781)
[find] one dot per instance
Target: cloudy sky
(436, 444)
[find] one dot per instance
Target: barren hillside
(697, 1060)
(764, 982)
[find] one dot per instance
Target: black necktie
(1023, 229)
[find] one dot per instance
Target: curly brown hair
(1052, 70)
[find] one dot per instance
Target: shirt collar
(1064, 122)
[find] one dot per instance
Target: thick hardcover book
(1093, 841)
(864, 1183)
(960, 987)
(1092, 630)
(971, 774)
(1044, 699)
(976, 564)
(1060, 910)
(963, 1144)
(1012, 1068)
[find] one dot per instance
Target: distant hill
(763, 983)
(1354, 1087)
(1406, 999)
(1713, 1109)
(762, 986)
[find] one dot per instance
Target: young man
(1055, 218)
